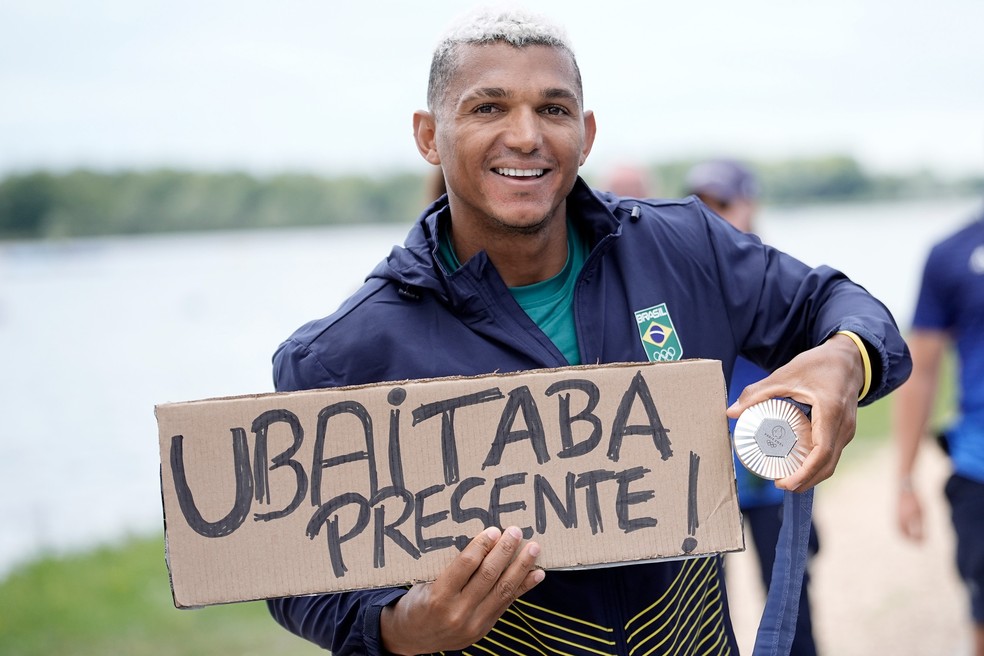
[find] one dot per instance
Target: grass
(116, 600)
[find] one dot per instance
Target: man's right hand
(469, 596)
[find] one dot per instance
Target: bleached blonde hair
(493, 24)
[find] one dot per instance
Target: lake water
(95, 332)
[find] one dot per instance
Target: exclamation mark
(690, 543)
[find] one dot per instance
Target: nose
(523, 130)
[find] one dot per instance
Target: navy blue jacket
(726, 293)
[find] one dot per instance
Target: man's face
(511, 136)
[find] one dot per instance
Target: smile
(520, 173)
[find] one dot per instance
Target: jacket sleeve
(781, 307)
(346, 623)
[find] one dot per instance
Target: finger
(461, 570)
(749, 396)
(486, 575)
(518, 578)
(818, 466)
(519, 571)
(773, 387)
(833, 424)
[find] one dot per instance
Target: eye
(555, 110)
(486, 108)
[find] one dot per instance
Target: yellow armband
(865, 360)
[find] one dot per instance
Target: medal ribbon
(777, 627)
(778, 623)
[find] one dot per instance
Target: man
(522, 266)
(628, 180)
(731, 190)
(949, 311)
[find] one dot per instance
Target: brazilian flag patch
(658, 335)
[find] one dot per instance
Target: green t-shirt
(549, 303)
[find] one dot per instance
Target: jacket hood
(415, 266)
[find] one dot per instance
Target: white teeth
(520, 173)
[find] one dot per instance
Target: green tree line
(828, 179)
(43, 204)
(86, 203)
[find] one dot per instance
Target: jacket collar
(415, 264)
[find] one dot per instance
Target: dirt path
(872, 591)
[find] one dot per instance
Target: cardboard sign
(375, 486)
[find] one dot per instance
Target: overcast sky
(330, 86)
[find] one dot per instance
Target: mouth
(520, 173)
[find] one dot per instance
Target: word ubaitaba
(381, 485)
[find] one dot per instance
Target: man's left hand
(827, 378)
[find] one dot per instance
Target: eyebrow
(487, 92)
(552, 93)
(560, 94)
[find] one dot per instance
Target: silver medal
(773, 438)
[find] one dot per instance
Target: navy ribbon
(778, 624)
(777, 627)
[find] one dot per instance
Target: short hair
(486, 25)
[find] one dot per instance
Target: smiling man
(522, 266)
(511, 147)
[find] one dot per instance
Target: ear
(589, 135)
(424, 133)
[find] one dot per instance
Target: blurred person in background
(731, 190)
(629, 180)
(949, 314)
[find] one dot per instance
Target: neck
(521, 258)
